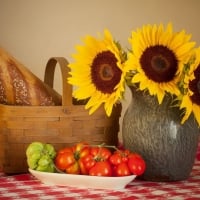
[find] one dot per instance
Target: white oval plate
(83, 181)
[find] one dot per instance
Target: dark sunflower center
(198, 86)
(159, 63)
(194, 86)
(105, 72)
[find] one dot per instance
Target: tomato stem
(100, 146)
(103, 145)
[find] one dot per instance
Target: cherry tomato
(125, 154)
(86, 163)
(100, 153)
(122, 169)
(97, 154)
(119, 156)
(136, 164)
(101, 168)
(115, 159)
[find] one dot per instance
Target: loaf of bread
(19, 86)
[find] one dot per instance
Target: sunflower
(158, 56)
(191, 98)
(98, 72)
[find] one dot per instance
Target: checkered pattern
(25, 186)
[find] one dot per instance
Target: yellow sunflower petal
(160, 96)
(80, 93)
(94, 108)
(187, 105)
(109, 106)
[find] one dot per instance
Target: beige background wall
(34, 30)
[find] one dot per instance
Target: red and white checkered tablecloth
(25, 186)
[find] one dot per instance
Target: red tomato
(100, 153)
(122, 169)
(119, 156)
(125, 155)
(86, 163)
(101, 168)
(64, 160)
(73, 169)
(97, 154)
(66, 149)
(93, 163)
(80, 150)
(136, 164)
(115, 159)
(67, 159)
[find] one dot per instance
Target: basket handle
(49, 78)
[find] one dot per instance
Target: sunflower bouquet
(159, 61)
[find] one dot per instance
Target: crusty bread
(19, 86)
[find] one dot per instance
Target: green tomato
(33, 153)
(50, 150)
(49, 168)
(40, 156)
(32, 163)
(45, 164)
(33, 160)
(45, 160)
(34, 147)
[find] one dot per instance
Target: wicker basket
(61, 126)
